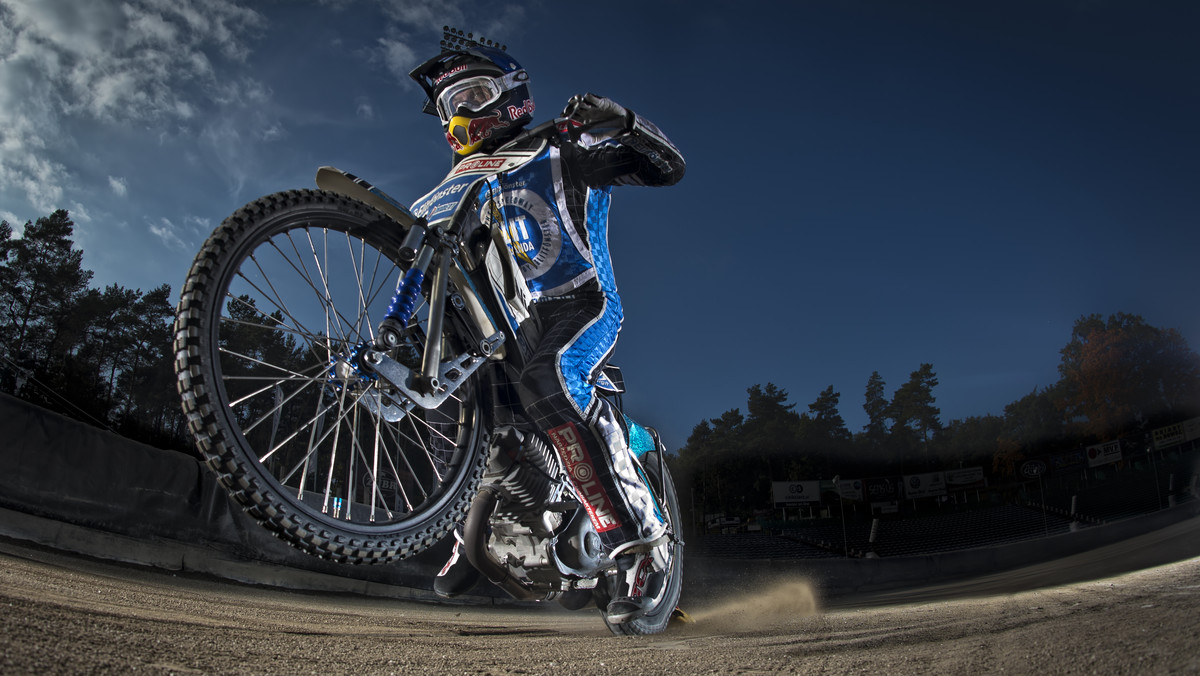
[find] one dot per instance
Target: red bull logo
(524, 109)
(457, 69)
(481, 127)
(466, 134)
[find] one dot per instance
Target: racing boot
(458, 576)
(639, 581)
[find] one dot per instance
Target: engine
(524, 473)
(523, 470)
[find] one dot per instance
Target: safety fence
(1044, 507)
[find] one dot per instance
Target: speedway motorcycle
(347, 369)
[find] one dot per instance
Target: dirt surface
(62, 614)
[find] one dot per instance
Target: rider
(554, 209)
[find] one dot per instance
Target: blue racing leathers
(553, 209)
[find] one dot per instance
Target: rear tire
(659, 616)
(275, 310)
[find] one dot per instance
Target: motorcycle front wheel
(277, 308)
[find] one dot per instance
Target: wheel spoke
(271, 382)
(274, 412)
(358, 276)
(287, 298)
(313, 340)
(337, 431)
(255, 360)
(275, 297)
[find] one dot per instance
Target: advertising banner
(1191, 429)
(882, 489)
(389, 493)
(1032, 469)
(926, 485)
(962, 479)
(795, 492)
(1171, 435)
(1103, 454)
(850, 489)
(1069, 461)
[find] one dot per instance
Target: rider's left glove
(597, 115)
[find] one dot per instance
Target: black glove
(597, 115)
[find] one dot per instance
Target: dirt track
(61, 614)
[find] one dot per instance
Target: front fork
(434, 381)
(422, 248)
(431, 360)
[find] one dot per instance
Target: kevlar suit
(553, 209)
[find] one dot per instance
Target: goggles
(475, 93)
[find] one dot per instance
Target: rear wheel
(275, 313)
(667, 599)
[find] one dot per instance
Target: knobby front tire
(276, 308)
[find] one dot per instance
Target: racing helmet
(479, 92)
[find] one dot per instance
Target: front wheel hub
(347, 370)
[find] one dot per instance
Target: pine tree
(913, 412)
(43, 280)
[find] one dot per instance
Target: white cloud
(79, 213)
(141, 64)
(198, 224)
(273, 132)
(474, 16)
(424, 14)
(397, 57)
(365, 110)
(413, 22)
(224, 139)
(119, 185)
(40, 180)
(169, 234)
(181, 236)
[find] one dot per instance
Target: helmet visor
(474, 94)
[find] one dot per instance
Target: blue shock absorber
(405, 301)
(412, 250)
(401, 309)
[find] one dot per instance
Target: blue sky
(871, 184)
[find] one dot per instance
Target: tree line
(1119, 378)
(102, 356)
